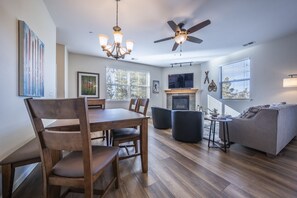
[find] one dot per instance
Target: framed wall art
(31, 62)
(156, 86)
(88, 84)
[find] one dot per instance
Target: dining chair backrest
(96, 103)
(142, 106)
(51, 141)
(133, 104)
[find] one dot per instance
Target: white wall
(196, 69)
(15, 127)
(62, 71)
(270, 63)
(84, 63)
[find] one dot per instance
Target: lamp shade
(180, 38)
(118, 37)
(290, 82)
(129, 45)
(103, 39)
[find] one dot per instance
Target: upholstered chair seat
(72, 164)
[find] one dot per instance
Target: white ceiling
(233, 23)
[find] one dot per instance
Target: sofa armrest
(286, 125)
(259, 132)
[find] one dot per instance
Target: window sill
(108, 100)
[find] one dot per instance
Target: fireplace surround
(191, 93)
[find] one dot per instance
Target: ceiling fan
(182, 35)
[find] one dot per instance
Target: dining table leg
(144, 145)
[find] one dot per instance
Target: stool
(27, 154)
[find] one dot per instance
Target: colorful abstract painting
(88, 84)
(31, 62)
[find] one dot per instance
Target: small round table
(212, 129)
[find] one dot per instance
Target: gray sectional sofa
(269, 130)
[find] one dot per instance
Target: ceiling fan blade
(173, 25)
(194, 39)
(198, 26)
(174, 46)
(164, 39)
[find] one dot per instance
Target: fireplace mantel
(181, 91)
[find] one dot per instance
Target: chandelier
(115, 50)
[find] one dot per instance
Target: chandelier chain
(117, 13)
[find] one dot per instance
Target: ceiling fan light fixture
(180, 38)
(181, 35)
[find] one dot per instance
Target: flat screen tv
(180, 81)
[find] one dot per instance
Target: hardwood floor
(179, 169)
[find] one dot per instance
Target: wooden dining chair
(133, 104)
(124, 135)
(85, 163)
(97, 103)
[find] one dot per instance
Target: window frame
(236, 80)
(129, 85)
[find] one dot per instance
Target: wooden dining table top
(108, 115)
(103, 116)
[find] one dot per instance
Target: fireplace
(180, 102)
(189, 93)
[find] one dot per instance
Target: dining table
(107, 119)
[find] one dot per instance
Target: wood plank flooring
(179, 169)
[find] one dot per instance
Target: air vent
(248, 44)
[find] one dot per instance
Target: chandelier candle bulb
(103, 39)
(118, 36)
(129, 45)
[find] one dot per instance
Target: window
(123, 85)
(236, 80)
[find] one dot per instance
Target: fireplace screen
(180, 102)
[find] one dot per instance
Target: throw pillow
(252, 111)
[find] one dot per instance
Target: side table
(212, 130)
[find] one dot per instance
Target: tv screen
(180, 81)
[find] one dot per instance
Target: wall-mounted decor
(212, 86)
(156, 86)
(87, 84)
(206, 77)
(31, 62)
